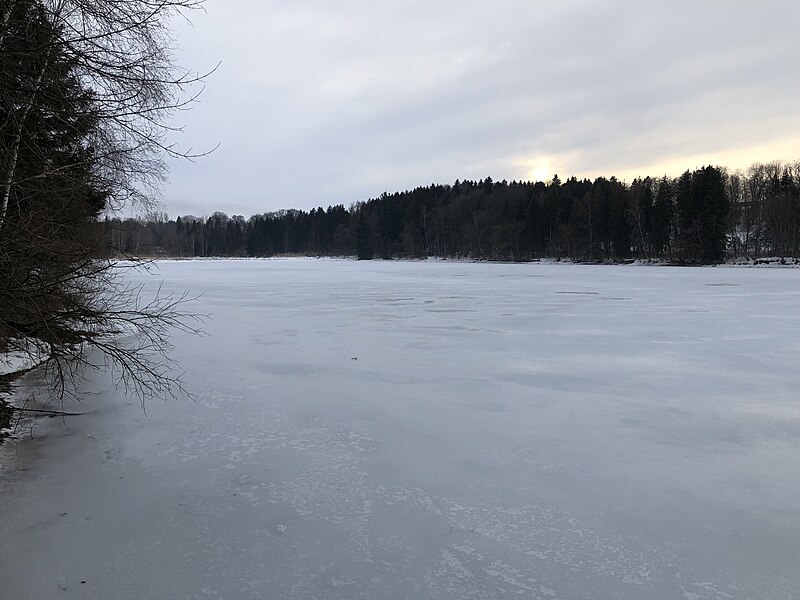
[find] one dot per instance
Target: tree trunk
(12, 167)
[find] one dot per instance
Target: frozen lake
(507, 431)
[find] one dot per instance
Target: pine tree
(363, 246)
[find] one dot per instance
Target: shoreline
(758, 263)
(8, 409)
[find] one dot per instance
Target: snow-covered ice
(27, 354)
(507, 431)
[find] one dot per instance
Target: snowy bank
(22, 356)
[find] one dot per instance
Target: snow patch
(25, 354)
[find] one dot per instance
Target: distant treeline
(703, 216)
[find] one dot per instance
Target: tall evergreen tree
(363, 246)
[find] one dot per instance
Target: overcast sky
(320, 103)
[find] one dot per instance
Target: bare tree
(89, 87)
(736, 232)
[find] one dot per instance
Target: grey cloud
(321, 103)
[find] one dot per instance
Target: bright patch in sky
(538, 169)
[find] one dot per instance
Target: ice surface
(507, 431)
